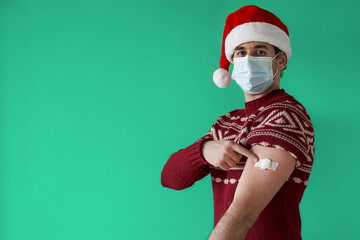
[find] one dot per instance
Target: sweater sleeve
(285, 126)
(186, 166)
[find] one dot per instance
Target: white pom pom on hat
(249, 23)
(222, 78)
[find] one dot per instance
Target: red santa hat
(249, 23)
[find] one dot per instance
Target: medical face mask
(253, 74)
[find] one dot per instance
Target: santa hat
(249, 23)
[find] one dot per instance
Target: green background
(96, 95)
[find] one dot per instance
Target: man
(260, 157)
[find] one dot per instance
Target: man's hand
(225, 154)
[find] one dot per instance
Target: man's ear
(282, 61)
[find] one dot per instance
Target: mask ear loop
(276, 68)
(276, 55)
(276, 72)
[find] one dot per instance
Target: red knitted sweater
(274, 120)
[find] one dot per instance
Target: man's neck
(251, 97)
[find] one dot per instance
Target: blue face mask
(253, 74)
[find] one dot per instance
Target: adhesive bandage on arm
(266, 163)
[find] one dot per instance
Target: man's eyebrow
(239, 48)
(261, 46)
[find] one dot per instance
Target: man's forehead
(255, 45)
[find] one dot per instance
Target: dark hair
(277, 50)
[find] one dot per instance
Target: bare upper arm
(256, 186)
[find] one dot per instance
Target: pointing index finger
(245, 152)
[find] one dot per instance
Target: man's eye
(260, 52)
(241, 53)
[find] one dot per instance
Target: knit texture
(274, 120)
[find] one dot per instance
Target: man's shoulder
(285, 102)
(232, 114)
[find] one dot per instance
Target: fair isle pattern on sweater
(234, 180)
(289, 122)
(284, 125)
